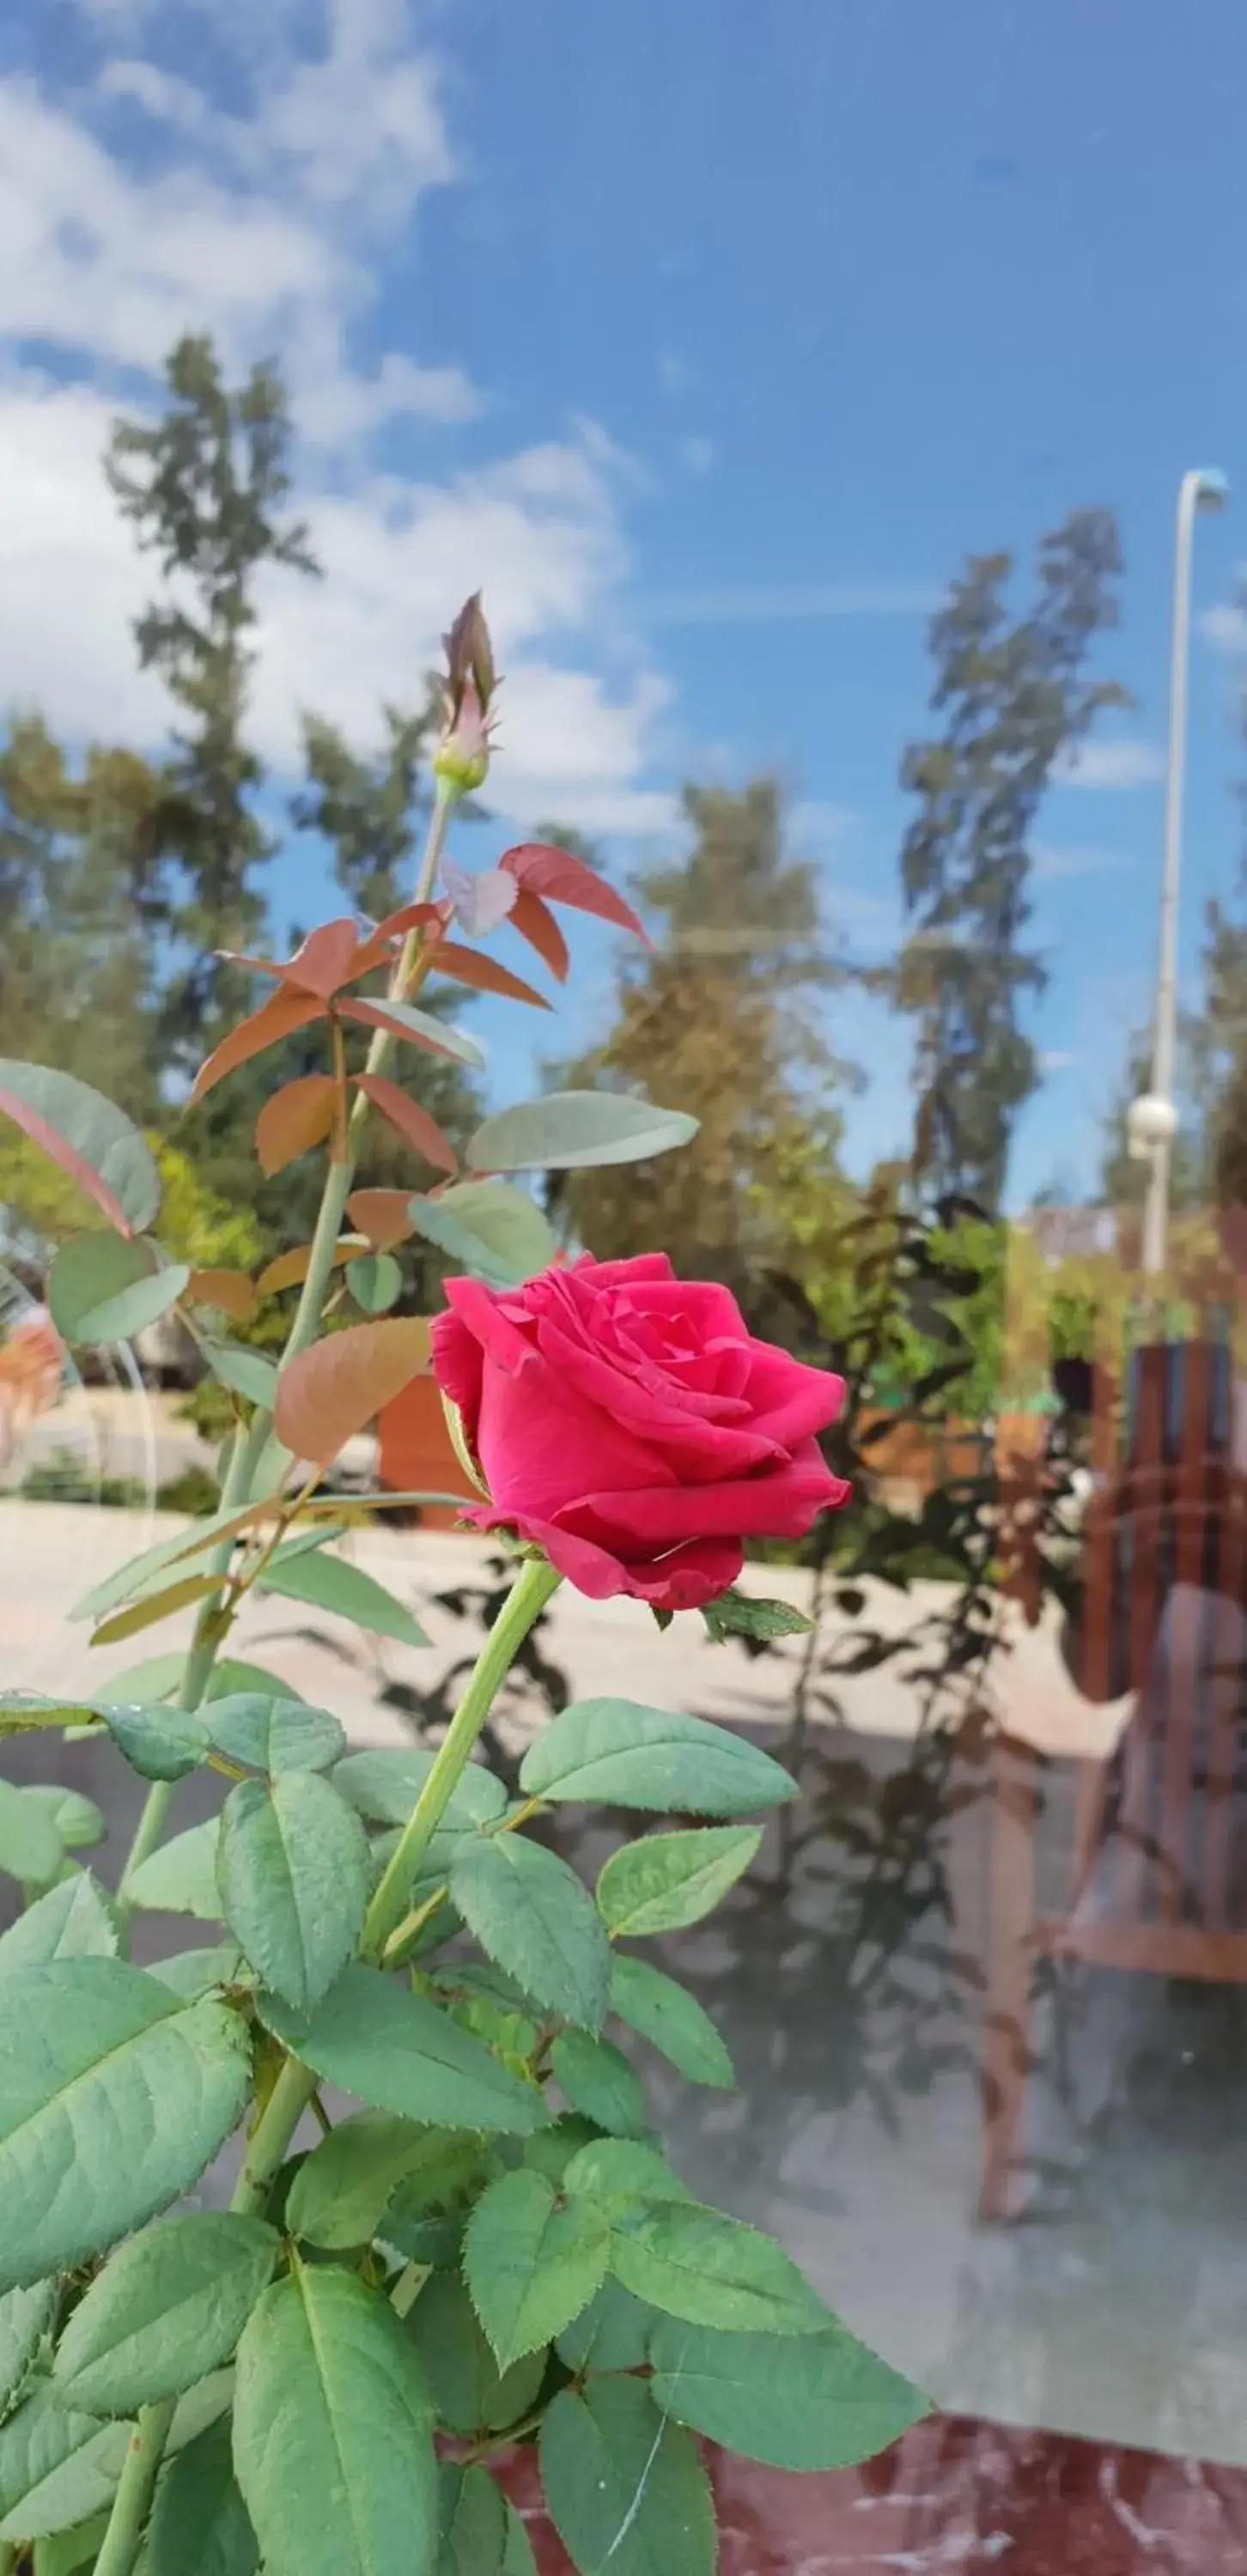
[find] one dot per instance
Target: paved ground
(50, 1553)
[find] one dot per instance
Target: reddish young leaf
(409, 1119)
(382, 1216)
(333, 1390)
(467, 966)
(325, 961)
(231, 1292)
(283, 1012)
(376, 949)
(297, 1117)
(536, 923)
(541, 869)
(290, 1269)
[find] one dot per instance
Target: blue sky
(710, 339)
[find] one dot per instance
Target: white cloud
(269, 229)
(1122, 763)
(1056, 1060)
(1225, 627)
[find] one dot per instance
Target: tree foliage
(1016, 702)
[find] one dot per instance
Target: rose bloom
(629, 1425)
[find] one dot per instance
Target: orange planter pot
(415, 1451)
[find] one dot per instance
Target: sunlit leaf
(278, 1017)
(332, 1391)
(531, 2263)
(573, 1130)
(230, 1292)
(292, 1867)
(403, 1020)
(290, 1269)
(397, 2052)
(155, 1606)
(666, 1881)
(294, 1119)
(409, 1121)
(530, 1911)
(541, 869)
(381, 1215)
(698, 2264)
(536, 923)
(468, 966)
(494, 1231)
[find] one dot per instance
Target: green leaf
(159, 1743)
(56, 2468)
(626, 2489)
(192, 1973)
(496, 1232)
(670, 2018)
(612, 2334)
(292, 1868)
(341, 2192)
(62, 2553)
(90, 1139)
(473, 2523)
(179, 1877)
(102, 1288)
(617, 2172)
(822, 2401)
(244, 1372)
(274, 1734)
(200, 2525)
(73, 1921)
(20, 1711)
(161, 1674)
(517, 2555)
(597, 2079)
(529, 1910)
(77, 1820)
(26, 2317)
(333, 2432)
(471, 2395)
(407, 1021)
(375, 1282)
(531, 2264)
(611, 1752)
(31, 1849)
(113, 2098)
(698, 2264)
(159, 1677)
(385, 1786)
(346, 1591)
(167, 2308)
(666, 1881)
(571, 1130)
(397, 2052)
(737, 1614)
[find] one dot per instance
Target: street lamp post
(1154, 1119)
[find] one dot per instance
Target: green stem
(123, 2538)
(236, 1491)
(527, 1598)
(272, 2134)
(296, 2084)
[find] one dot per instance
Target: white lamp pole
(1154, 1119)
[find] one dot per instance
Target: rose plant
(490, 2247)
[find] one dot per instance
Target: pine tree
(720, 1019)
(206, 487)
(1016, 702)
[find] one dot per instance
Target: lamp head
(1212, 489)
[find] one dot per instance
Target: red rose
(628, 1423)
